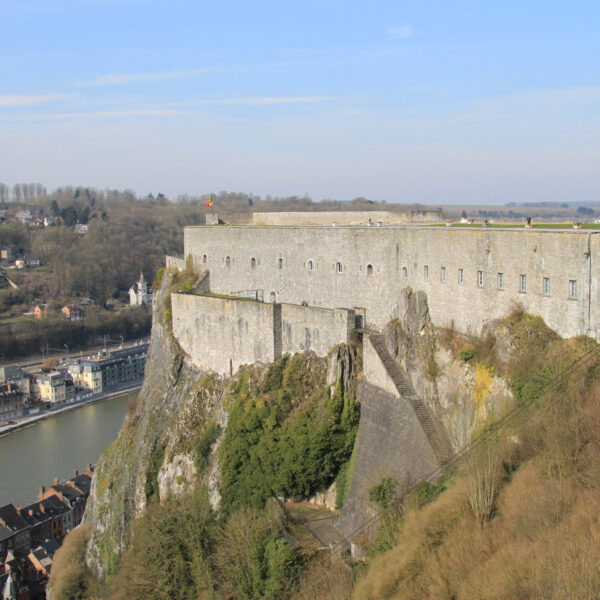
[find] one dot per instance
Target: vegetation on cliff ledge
(287, 434)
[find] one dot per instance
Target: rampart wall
(175, 262)
(469, 275)
(325, 218)
(220, 334)
(328, 217)
(316, 329)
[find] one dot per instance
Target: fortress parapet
(220, 334)
(326, 218)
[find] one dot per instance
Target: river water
(35, 455)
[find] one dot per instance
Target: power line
(509, 418)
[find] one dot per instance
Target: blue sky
(431, 101)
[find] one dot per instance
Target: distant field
(534, 226)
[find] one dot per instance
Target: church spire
(10, 587)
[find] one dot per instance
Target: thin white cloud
(23, 100)
(103, 114)
(255, 100)
(175, 108)
(535, 105)
(127, 78)
(400, 33)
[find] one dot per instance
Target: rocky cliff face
(156, 451)
(461, 396)
(173, 401)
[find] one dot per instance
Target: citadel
(318, 276)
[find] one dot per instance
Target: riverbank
(34, 419)
(51, 449)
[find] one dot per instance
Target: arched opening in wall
(404, 272)
(204, 259)
(338, 267)
(272, 298)
(252, 262)
(227, 261)
(310, 265)
(280, 263)
(369, 270)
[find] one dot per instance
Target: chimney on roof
(30, 511)
(42, 491)
(75, 473)
(19, 508)
(56, 481)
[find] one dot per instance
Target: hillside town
(30, 535)
(29, 392)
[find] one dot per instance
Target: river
(35, 455)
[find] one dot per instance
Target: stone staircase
(437, 440)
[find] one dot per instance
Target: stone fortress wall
(469, 275)
(220, 334)
(304, 272)
(374, 217)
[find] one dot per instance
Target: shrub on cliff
(287, 435)
(71, 579)
(252, 560)
(169, 555)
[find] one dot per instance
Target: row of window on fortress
(310, 265)
(500, 281)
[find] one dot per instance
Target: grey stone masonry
(390, 443)
(221, 334)
(470, 275)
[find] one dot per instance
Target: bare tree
(483, 479)
(16, 192)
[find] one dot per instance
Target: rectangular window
(572, 289)
(546, 286)
(426, 272)
(500, 281)
(480, 278)
(523, 283)
(443, 275)
(461, 276)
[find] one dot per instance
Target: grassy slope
(519, 518)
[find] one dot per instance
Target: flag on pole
(209, 202)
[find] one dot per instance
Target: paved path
(318, 521)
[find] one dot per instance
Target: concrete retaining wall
(390, 443)
(375, 372)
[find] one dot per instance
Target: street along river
(35, 455)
